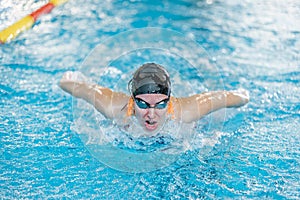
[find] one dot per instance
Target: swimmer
(150, 100)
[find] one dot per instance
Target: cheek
(139, 112)
(161, 113)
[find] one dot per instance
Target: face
(150, 110)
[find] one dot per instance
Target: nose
(151, 113)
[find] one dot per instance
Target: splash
(111, 64)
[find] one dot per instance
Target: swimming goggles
(144, 105)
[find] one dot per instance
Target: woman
(150, 100)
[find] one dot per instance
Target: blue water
(254, 45)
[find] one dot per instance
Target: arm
(196, 106)
(106, 101)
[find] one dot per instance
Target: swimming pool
(254, 46)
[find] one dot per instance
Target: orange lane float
(27, 22)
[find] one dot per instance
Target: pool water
(254, 45)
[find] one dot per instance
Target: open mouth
(151, 122)
(150, 125)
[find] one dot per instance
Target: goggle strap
(130, 107)
(170, 109)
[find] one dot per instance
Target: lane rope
(11, 32)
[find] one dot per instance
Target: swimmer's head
(150, 89)
(150, 78)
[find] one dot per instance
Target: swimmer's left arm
(199, 105)
(229, 99)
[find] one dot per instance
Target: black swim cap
(150, 78)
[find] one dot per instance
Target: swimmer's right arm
(106, 101)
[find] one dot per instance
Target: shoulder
(118, 105)
(119, 98)
(183, 102)
(180, 108)
(110, 103)
(190, 109)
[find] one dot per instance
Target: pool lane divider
(28, 21)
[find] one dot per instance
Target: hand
(70, 76)
(243, 94)
(71, 81)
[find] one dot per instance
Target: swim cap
(150, 78)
